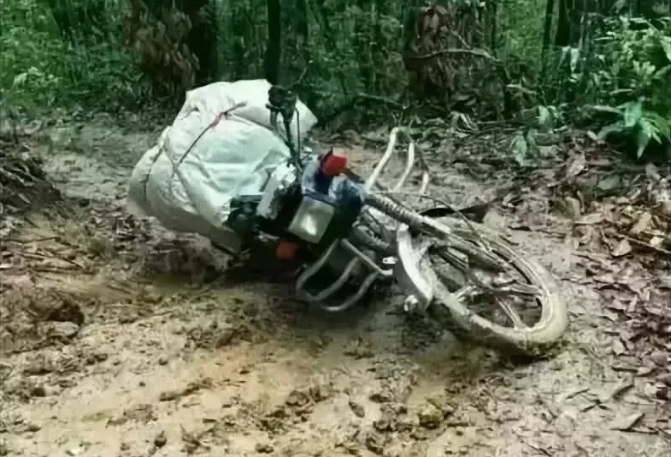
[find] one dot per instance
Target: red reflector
(286, 250)
(333, 164)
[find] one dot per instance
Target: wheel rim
(469, 317)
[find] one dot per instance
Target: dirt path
(123, 341)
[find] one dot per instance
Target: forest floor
(118, 338)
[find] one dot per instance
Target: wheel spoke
(500, 286)
(492, 291)
(466, 291)
(483, 258)
(452, 259)
(450, 276)
(511, 286)
(520, 289)
(511, 314)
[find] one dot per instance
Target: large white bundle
(253, 95)
(187, 182)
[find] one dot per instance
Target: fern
(643, 124)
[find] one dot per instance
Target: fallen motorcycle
(353, 233)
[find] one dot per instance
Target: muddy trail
(121, 339)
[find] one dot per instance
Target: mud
(120, 339)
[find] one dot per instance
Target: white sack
(221, 96)
(230, 159)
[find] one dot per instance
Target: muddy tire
(534, 340)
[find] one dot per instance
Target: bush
(41, 68)
(634, 77)
(484, 59)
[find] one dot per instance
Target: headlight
(311, 220)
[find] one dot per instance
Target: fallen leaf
(575, 392)
(623, 248)
(659, 357)
(621, 387)
(666, 208)
(656, 241)
(652, 173)
(617, 305)
(590, 219)
(663, 393)
(626, 335)
(624, 424)
(618, 347)
(604, 163)
(645, 371)
(642, 224)
(610, 315)
(610, 183)
(572, 207)
(664, 280)
(575, 166)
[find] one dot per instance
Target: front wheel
(462, 261)
(517, 278)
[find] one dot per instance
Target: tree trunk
(362, 45)
(547, 30)
(274, 46)
(237, 34)
(302, 22)
(202, 38)
(78, 20)
(562, 35)
(322, 14)
(377, 49)
(571, 20)
(303, 34)
(493, 7)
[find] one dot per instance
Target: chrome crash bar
(358, 259)
(406, 268)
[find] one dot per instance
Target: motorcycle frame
(405, 266)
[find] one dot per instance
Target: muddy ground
(120, 339)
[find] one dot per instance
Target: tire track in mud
(168, 361)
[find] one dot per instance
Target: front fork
(413, 272)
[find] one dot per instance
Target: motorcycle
(353, 233)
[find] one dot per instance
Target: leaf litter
(122, 302)
(619, 218)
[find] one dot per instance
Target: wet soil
(119, 338)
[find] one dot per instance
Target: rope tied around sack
(215, 121)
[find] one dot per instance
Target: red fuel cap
(334, 163)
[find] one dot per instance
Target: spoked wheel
(497, 295)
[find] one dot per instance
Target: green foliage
(636, 62)
(497, 60)
(521, 35)
(623, 76)
(640, 123)
(42, 69)
(636, 76)
(525, 145)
